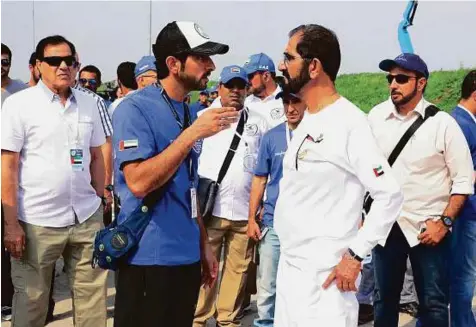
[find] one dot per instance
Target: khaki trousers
(229, 293)
(31, 275)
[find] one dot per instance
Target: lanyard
(182, 126)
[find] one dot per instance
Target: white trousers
(302, 302)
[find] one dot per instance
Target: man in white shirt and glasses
(330, 163)
(435, 171)
(52, 184)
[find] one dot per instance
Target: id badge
(193, 198)
(76, 157)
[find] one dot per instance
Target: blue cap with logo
(145, 64)
(408, 61)
(230, 72)
(259, 62)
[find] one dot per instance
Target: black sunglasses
(5, 62)
(91, 81)
(400, 78)
(55, 61)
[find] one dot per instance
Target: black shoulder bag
(430, 111)
(114, 244)
(208, 188)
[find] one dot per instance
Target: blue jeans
(431, 276)
(463, 273)
(268, 267)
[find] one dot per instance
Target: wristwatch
(354, 256)
(109, 187)
(447, 221)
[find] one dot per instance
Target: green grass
(369, 89)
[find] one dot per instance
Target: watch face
(447, 221)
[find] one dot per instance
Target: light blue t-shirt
(144, 126)
(270, 163)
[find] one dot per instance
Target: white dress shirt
(269, 108)
(233, 197)
(43, 131)
(330, 163)
(434, 164)
(112, 107)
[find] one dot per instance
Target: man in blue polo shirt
(202, 102)
(268, 173)
(157, 142)
(463, 274)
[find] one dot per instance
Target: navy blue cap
(145, 64)
(259, 62)
(407, 61)
(230, 72)
(204, 92)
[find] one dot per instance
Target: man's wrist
(354, 256)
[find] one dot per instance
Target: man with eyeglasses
(52, 184)
(145, 72)
(9, 86)
(90, 78)
(435, 172)
(331, 161)
(227, 226)
(263, 89)
(268, 173)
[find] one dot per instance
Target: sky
(106, 33)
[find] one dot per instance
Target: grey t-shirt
(14, 86)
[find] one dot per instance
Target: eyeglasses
(55, 61)
(287, 58)
(5, 62)
(91, 81)
(400, 78)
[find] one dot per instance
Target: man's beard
(193, 83)
(405, 99)
(258, 91)
(294, 85)
(4, 72)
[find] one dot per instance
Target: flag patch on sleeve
(378, 171)
(128, 144)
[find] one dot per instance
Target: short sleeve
(264, 161)
(104, 115)
(133, 139)
(13, 129)
(98, 137)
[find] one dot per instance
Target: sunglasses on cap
(55, 61)
(5, 62)
(400, 78)
(91, 81)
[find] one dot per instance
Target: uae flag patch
(128, 144)
(378, 171)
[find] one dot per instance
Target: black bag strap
(430, 111)
(234, 145)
